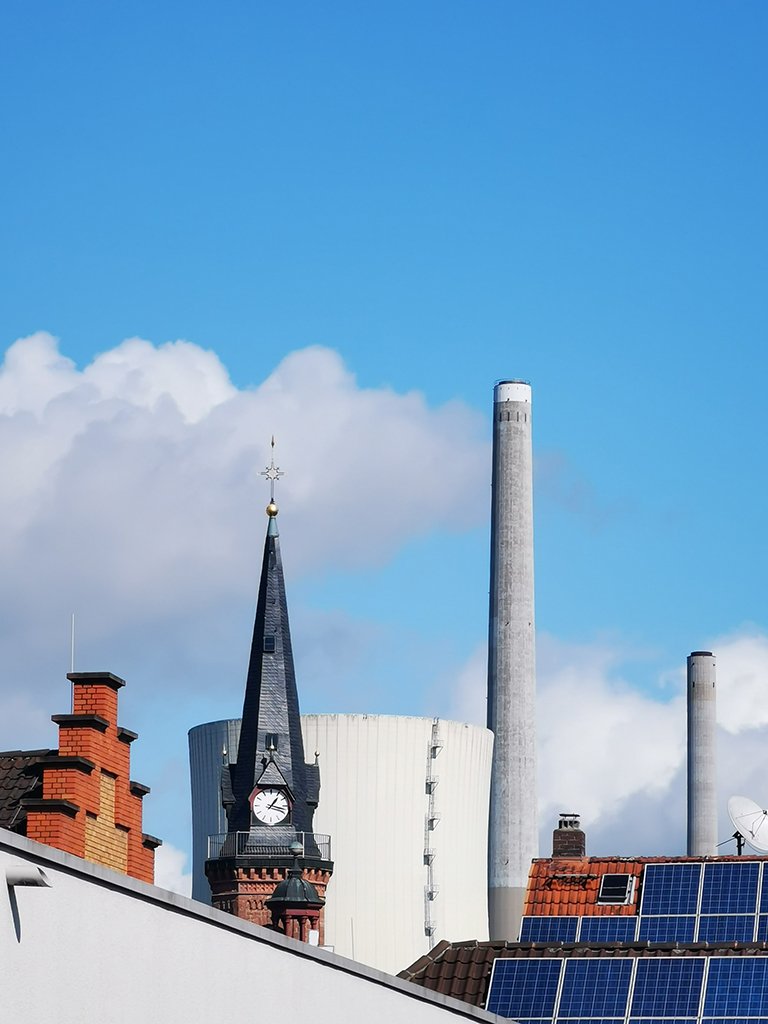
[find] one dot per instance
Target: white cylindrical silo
(513, 825)
(406, 803)
(702, 775)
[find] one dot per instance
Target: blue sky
(442, 194)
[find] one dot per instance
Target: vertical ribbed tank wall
(702, 774)
(396, 794)
(513, 825)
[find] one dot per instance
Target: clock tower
(269, 793)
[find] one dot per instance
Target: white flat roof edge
(28, 849)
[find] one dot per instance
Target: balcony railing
(265, 843)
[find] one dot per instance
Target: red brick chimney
(568, 840)
(90, 807)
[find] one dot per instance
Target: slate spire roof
(271, 728)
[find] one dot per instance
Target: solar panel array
(658, 990)
(680, 902)
(688, 902)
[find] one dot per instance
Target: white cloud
(131, 495)
(469, 688)
(616, 754)
(601, 741)
(149, 457)
(742, 681)
(35, 373)
(170, 873)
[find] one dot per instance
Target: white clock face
(270, 806)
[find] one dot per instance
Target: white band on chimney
(512, 391)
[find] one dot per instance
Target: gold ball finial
(272, 510)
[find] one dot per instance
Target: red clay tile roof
(18, 780)
(463, 969)
(561, 886)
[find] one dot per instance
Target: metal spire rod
(272, 473)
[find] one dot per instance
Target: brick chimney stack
(568, 840)
(90, 807)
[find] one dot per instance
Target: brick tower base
(242, 885)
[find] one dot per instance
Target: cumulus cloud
(170, 870)
(616, 754)
(148, 458)
(468, 690)
(590, 719)
(742, 674)
(131, 495)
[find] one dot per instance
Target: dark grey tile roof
(18, 780)
(463, 969)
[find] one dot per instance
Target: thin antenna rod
(72, 661)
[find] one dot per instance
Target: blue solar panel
(731, 1020)
(595, 988)
(764, 893)
(549, 929)
(666, 1020)
(670, 888)
(730, 888)
(726, 928)
(667, 929)
(737, 985)
(667, 986)
(607, 929)
(762, 928)
(523, 988)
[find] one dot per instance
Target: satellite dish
(750, 821)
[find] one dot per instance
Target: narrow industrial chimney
(568, 839)
(702, 794)
(513, 834)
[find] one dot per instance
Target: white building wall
(97, 946)
(374, 804)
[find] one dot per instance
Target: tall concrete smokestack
(513, 836)
(702, 794)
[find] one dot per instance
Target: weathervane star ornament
(272, 473)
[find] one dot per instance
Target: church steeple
(270, 793)
(271, 729)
